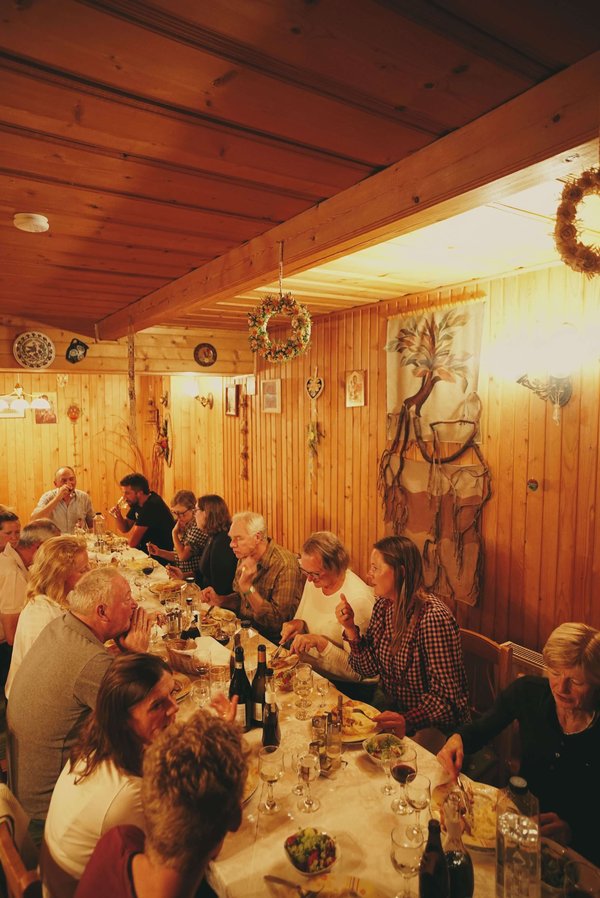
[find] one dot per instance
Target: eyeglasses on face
(182, 514)
(310, 575)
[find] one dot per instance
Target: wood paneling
(542, 548)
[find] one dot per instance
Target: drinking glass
(309, 769)
(270, 769)
(389, 758)
(322, 689)
(406, 850)
(303, 686)
(201, 692)
(297, 751)
(418, 792)
(581, 880)
(401, 769)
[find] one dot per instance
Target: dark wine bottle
(460, 865)
(433, 873)
(258, 686)
(240, 686)
(271, 732)
(236, 643)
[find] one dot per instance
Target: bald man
(65, 505)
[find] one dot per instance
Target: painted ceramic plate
(34, 350)
(205, 355)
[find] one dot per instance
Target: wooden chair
(488, 665)
(20, 882)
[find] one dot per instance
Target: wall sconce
(17, 401)
(558, 355)
(205, 401)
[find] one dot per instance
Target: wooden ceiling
(163, 139)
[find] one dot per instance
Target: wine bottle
(271, 732)
(240, 686)
(460, 865)
(433, 872)
(258, 686)
(236, 644)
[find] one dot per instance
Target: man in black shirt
(148, 520)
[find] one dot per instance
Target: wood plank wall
(542, 548)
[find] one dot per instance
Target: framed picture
(355, 389)
(270, 396)
(232, 400)
(10, 412)
(251, 385)
(46, 415)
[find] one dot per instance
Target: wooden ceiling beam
(506, 150)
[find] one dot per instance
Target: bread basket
(179, 652)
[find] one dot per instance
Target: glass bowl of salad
(311, 851)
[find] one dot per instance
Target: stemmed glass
(297, 751)
(303, 686)
(418, 791)
(402, 768)
(309, 769)
(406, 850)
(270, 769)
(322, 688)
(389, 758)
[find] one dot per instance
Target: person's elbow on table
(451, 756)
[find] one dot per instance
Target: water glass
(309, 769)
(270, 769)
(407, 847)
(201, 692)
(303, 686)
(418, 792)
(322, 688)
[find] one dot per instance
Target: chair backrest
(20, 882)
(488, 665)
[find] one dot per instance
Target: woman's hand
(452, 755)
(391, 722)
(290, 629)
(225, 707)
(345, 615)
(304, 642)
(552, 827)
(175, 572)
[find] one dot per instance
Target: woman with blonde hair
(559, 732)
(59, 564)
(412, 643)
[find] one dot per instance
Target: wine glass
(406, 850)
(417, 789)
(402, 768)
(389, 758)
(322, 688)
(201, 692)
(309, 769)
(270, 769)
(303, 686)
(297, 750)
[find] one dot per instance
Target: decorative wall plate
(205, 354)
(314, 386)
(34, 350)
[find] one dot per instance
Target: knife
(284, 882)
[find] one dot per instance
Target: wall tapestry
(433, 422)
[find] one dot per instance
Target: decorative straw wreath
(285, 350)
(579, 256)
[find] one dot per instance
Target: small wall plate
(205, 354)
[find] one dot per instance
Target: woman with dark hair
(217, 565)
(412, 642)
(100, 785)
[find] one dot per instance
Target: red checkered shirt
(426, 677)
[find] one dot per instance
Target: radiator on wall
(525, 661)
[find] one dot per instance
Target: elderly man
(148, 520)
(65, 504)
(56, 685)
(267, 583)
(10, 527)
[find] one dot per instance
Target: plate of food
(483, 832)
(183, 685)
(166, 588)
(214, 613)
(283, 661)
(311, 851)
(357, 721)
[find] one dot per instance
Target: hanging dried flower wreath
(284, 350)
(577, 255)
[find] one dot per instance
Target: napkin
(209, 648)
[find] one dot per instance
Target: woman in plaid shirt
(412, 643)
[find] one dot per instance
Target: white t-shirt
(13, 583)
(80, 814)
(32, 620)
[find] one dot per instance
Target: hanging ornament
(76, 351)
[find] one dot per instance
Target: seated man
(58, 680)
(315, 630)
(148, 519)
(192, 789)
(15, 562)
(267, 583)
(10, 527)
(65, 505)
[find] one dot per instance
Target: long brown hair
(217, 513)
(107, 733)
(401, 554)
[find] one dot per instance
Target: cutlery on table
(279, 649)
(302, 893)
(467, 797)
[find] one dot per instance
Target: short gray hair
(94, 587)
(334, 554)
(37, 532)
(252, 521)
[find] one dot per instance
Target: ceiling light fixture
(31, 222)
(17, 401)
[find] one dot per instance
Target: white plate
(486, 794)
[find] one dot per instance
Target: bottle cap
(189, 580)
(517, 784)
(245, 625)
(239, 653)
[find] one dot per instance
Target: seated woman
(59, 564)
(316, 633)
(412, 642)
(100, 785)
(192, 791)
(217, 565)
(559, 730)
(189, 540)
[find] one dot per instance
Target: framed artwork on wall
(232, 400)
(270, 396)
(355, 389)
